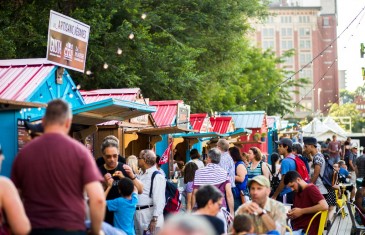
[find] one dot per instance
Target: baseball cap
(286, 141)
(354, 146)
(310, 141)
(261, 180)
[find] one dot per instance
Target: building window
(286, 32)
(304, 19)
(266, 44)
(268, 32)
(304, 44)
(326, 21)
(304, 32)
(305, 58)
(285, 19)
(306, 73)
(307, 90)
(270, 19)
(286, 44)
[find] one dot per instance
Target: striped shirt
(254, 172)
(227, 163)
(213, 175)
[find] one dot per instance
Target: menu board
(23, 135)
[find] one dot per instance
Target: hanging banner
(67, 41)
(165, 156)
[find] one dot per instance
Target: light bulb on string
(88, 72)
(255, 101)
(131, 36)
(78, 87)
(143, 16)
(119, 51)
(105, 66)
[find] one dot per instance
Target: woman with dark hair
(241, 177)
(275, 175)
(256, 166)
(195, 157)
(189, 174)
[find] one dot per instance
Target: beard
(300, 188)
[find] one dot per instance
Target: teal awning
(236, 133)
(196, 135)
(109, 109)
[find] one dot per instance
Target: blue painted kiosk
(26, 85)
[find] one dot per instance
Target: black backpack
(172, 196)
(328, 174)
(275, 181)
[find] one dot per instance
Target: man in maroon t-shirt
(334, 148)
(52, 172)
(307, 202)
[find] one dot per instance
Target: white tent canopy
(321, 131)
(334, 126)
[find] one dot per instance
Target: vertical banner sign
(67, 41)
(183, 116)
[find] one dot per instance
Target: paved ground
(341, 226)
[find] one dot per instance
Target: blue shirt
(287, 164)
(124, 210)
(343, 171)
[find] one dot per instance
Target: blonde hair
(132, 161)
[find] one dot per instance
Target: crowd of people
(57, 187)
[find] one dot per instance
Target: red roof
(129, 94)
(221, 124)
(20, 78)
(166, 112)
(197, 120)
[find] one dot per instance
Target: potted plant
(263, 137)
(256, 136)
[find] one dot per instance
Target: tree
(348, 110)
(191, 50)
(347, 96)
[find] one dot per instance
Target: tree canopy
(193, 50)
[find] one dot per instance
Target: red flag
(165, 156)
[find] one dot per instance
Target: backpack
(327, 174)
(172, 196)
(301, 168)
(275, 181)
(305, 160)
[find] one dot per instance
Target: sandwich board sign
(67, 41)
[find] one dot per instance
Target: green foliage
(191, 50)
(348, 110)
(348, 96)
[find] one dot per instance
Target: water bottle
(284, 199)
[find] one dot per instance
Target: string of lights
(320, 54)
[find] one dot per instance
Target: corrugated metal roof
(221, 125)
(108, 110)
(19, 78)
(130, 94)
(166, 112)
(247, 119)
(197, 120)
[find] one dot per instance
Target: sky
(348, 45)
